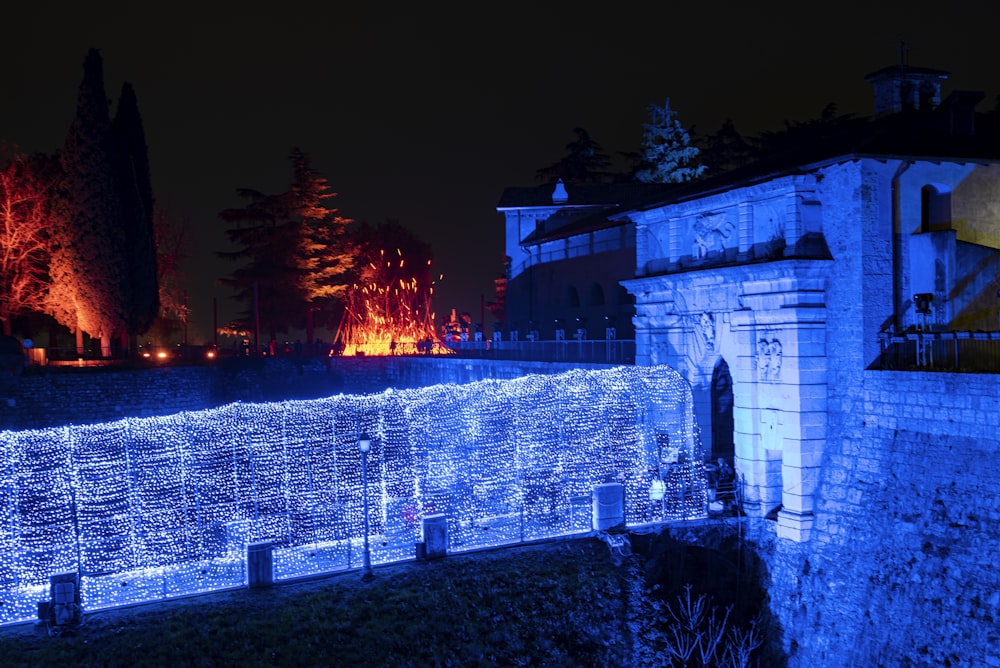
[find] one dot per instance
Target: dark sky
(426, 114)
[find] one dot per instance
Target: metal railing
(963, 352)
(598, 351)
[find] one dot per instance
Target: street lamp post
(365, 445)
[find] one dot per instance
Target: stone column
(64, 589)
(780, 392)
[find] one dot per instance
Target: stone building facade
(772, 287)
(769, 289)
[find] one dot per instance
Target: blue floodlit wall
(152, 508)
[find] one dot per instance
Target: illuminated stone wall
(901, 566)
(56, 398)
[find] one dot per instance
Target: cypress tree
(90, 288)
(136, 188)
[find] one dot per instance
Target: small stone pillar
(609, 506)
(64, 588)
(260, 565)
(435, 529)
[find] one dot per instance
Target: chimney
(905, 88)
(959, 112)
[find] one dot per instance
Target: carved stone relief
(768, 359)
(712, 234)
(705, 341)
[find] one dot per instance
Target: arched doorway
(722, 413)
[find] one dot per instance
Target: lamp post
(364, 446)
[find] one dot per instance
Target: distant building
(567, 258)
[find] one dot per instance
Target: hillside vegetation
(557, 603)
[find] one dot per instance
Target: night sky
(425, 115)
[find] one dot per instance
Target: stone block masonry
(901, 565)
(54, 398)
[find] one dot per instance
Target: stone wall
(56, 397)
(901, 566)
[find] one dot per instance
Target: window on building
(572, 297)
(935, 208)
(926, 96)
(596, 295)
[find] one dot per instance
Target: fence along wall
(150, 508)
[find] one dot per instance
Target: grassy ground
(561, 603)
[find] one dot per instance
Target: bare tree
(26, 212)
(171, 235)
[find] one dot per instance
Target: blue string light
(154, 508)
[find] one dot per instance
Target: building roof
(906, 71)
(590, 194)
(566, 223)
(587, 207)
(951, 133)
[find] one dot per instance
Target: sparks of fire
(389, 312)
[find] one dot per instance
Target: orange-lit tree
(95, 206)
(90, 289)
(293, 250)
(327, 252)
(388, 306)
(26, 213)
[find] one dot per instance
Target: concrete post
(435, 529)
(609, 506)
(64, 588)
(260, 565)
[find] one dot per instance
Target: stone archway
(722, 413)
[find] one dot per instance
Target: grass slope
(560, 603)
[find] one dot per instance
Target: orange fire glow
(390, 314)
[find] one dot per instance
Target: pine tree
(584, 162)
(668, 155)
(725, 150)
(266, 282)
(325, 253)
(90, 288)
(292, 249)
(132, 170)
